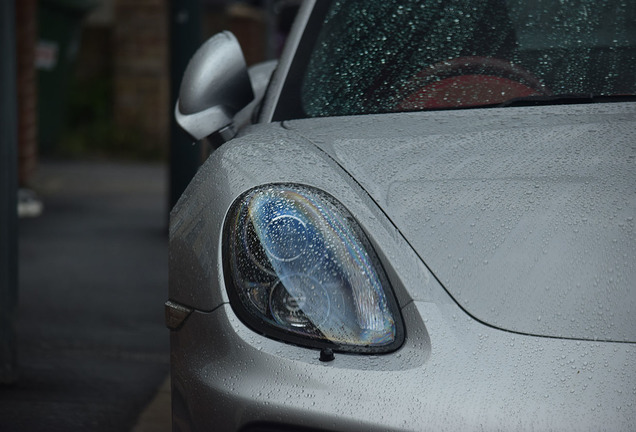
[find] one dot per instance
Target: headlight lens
(301, 269)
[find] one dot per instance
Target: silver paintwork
(461, 376)
(455, 372)
(525, 215)
(196, 271)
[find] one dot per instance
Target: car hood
(525, 215)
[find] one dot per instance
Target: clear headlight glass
(301, 269)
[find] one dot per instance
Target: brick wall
(141, 72)
(27, 89)
(248, 25)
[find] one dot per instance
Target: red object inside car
(465, 91)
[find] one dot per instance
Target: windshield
(382, 56)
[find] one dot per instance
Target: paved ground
(93, 348)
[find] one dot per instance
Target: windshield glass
(382, 56)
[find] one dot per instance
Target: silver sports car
(420, 218)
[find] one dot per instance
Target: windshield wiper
(565, 99)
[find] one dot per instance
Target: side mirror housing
(214, 88)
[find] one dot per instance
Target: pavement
(93, 350)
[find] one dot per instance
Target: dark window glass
(379, 56)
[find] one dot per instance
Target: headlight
(299, 268)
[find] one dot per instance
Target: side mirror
(214, 88)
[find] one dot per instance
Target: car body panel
(524, 214)
(271, 154)
(467, 362)
(453, 371)
(446, 378)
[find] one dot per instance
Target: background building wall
(141, 72)
(26, 31)
(119, 101)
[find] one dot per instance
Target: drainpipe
(8, 193)
(185, 37)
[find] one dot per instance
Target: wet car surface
(429, 225)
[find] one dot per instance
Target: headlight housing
(300, 269)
